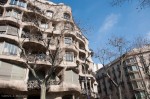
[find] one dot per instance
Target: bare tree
(141, 3)
(118, 46)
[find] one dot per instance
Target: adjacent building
(34, 21)
(136, 78)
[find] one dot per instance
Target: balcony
(32, 37)
(9, 30)
(80, 36)
(38, 57)
(30, 21)
(82, 56)
(86, 92)
(81, 46)
(34, 85)
(13, 13)
(53, 82)
(68, 26)
(2, 32)
(35, 9)
(3, 2)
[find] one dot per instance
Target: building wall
(135, 81)
(31, 22)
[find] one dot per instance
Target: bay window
(9, 49)
(68, 40)
(20, 3)
(69, 56)
(13, 13)
(10, 71)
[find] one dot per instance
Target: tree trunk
(43, 91)
(119, 91)
(109, 96)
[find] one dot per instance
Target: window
(13, 13)
(134, 76)
(140, 84)
(132, 68)
(11, 72)
(10, 49)
(130, 61)
(68, 26)
(140, 95)
(68, 40)
(137, 84)
(20, 3)
(69, 56)
(66, 16)
(49, 13)
(45, 26)
(16, 14)
(8, 13)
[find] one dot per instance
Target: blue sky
(104, 21)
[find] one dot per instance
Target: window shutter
(12, 31)
(11, 72)
(5, 71)
(18, 73)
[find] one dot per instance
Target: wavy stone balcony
(89, 93)
(34, 85)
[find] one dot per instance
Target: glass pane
(5, 70)
(18, 73)
(68, 40)
(69, 56)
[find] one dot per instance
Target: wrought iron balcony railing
(86, 92)
(33, 84)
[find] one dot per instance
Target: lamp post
(86, 85)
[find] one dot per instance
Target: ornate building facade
(33, 21)
(136, 76)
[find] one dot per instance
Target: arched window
(68, 40)
(69, 56)
(49, 13)
(67, 16)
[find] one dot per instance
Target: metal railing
(34, 84)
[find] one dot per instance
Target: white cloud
(109, 22)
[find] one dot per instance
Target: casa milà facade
(33, 21)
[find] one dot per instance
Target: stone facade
(33, 21)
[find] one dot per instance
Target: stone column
(73, 96)
(20, 31)
(44, 36)
(82, 84)
(4, 12)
